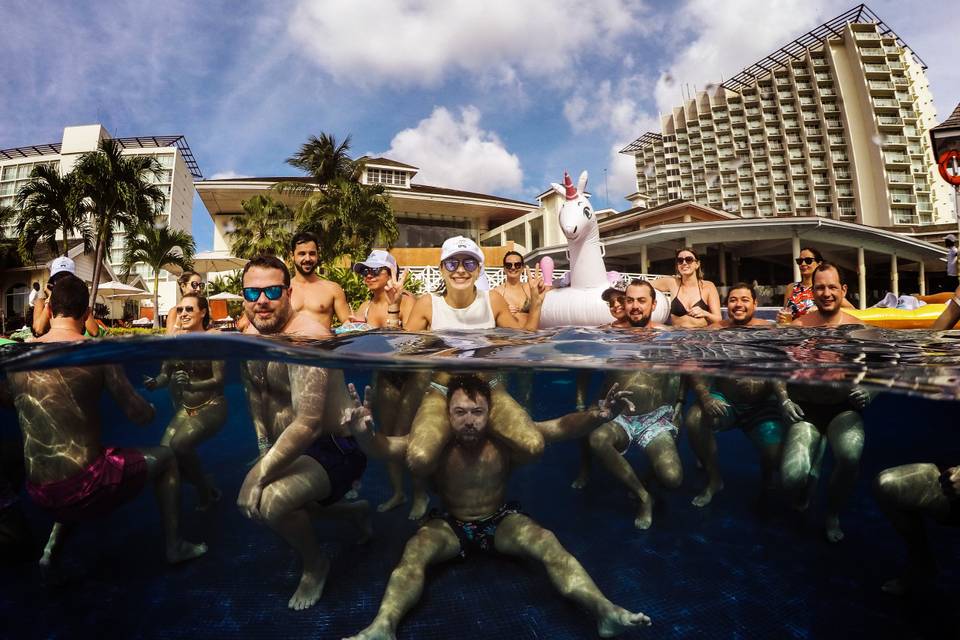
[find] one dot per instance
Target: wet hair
(677, 253)
(816, 254)
(743, 285)
(185, 278)
(70, 297)
(512, 253)
(824, 266)
(947, 242)
(303, 237)
(639, 282)
(57, 277)
(264, 261)
(202, 304)
(470, 384)
(36, 286)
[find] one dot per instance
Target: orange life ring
(945, 159)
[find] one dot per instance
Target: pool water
(734, 569)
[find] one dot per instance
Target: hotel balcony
(873, 53)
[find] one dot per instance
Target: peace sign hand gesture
(395, 287)
(537, 288)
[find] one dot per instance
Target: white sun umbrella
(225, 295)
(142, 322)
(115, 288)
(216, 261)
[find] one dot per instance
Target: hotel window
(386, 177)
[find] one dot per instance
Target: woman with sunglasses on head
(695, 302)
(196, 388)
(188, 282)
(514, 292)
(391, 305)
(798, 297)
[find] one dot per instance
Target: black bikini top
(677, 308)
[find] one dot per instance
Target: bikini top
(801, 300)
(677, 308)
(525, 307)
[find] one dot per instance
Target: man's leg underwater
(163, 471)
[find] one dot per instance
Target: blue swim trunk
(761, 421)
(343, 461)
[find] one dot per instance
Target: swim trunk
(762, 421)
(953, 517)
(476, 535)
(644, 428)
(821, 415)
(343, 461)
(115, 477)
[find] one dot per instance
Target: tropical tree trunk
(97, 267)
(156, 298)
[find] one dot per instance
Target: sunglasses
(616, 302)
(469, 264)
(686, 259)
(197, 285)
(801, 261)
(512, 266)
(273, 292)
(188, 308)
(363, 272)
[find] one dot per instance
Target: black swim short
(343, 461)
(953, 517)
(476, 535)
(821, 415)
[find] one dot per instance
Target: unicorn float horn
(546, 269)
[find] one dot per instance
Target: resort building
(180, 169)
(426, 215)
(832, 125)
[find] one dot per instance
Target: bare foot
(419, 507)
(311, 585)
(376, 631)
(615, 620)
(834, 532)
(706, 496)
(395, 501)
(182, 551)
(644, 517)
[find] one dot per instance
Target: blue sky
(499, 96)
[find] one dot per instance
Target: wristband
(392, 312)
(263, 443)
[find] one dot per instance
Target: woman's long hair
(699, 271)
(201, 304)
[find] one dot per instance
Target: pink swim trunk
(116, 477)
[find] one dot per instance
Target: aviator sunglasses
(469, 264)
(188, 308)
(273, 292)
(686, 259)
(512, 266)
(365, 271)
(801, 261)
(197, 285)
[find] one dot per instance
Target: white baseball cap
(459, 245)
(378, 258)
(950, 237)
(63, 263)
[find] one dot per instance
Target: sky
(498, 97)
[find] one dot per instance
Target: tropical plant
(228, 283)
(159, 248)
(48, 204)
(263, 229)
(324, 160)
(121, 193)
(8, 245)
(351, 283)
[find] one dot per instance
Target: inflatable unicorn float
(581, 304)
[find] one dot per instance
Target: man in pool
(741, 305)
(308, 459)
(829, 292)
(312, 295)
(470, 461)
(639, 301)
(69, 472)
(907, 494)
(752, 405)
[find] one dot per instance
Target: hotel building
(834, 125)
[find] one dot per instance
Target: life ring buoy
(944, 161)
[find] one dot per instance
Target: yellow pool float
(921, 318)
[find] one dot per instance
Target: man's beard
(305, 272)
(270, 325)
(642, 322)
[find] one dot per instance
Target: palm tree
(8, 245)
(323, 159)
(121, 193)
(351, 217)
(263, 229)
(159, 248)
(50, 203)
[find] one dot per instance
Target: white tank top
(479, 315)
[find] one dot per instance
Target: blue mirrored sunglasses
(273, 292)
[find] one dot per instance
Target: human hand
(615, 402)
(859, 397)
(697, 313)
(784, 316)
(791, 411)
(181, 378)
(513, 308)
(395, 287)
(355, 318)
(359, 416)
(953, 475)
(537, 288)
(249, 499)
(149, 383)
(715, 407)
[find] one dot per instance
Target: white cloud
(420, 42)
(455, 152)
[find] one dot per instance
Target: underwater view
(565, 484)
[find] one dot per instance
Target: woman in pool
(516, 293)
(380, 275)
(798, 297)
(196, 387)
(695, 302)
(188, 282)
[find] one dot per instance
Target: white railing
(432, 279)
